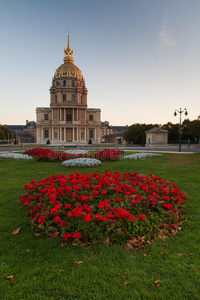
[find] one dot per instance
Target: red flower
(68, 206)
(153, 202)
(54, 211)
(57, 220)
(84, 198)
(42, 219)
(110, 216)
(67, 236)
(162, 226)
(142, 217)
(168, 206)
(103, 192)
(52, 197)
(95, 193)
(63, 224)
(118, 199)
(77, 235)
(99, 217)
(88, 218)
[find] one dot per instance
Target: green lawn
(42, 269)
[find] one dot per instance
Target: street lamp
(175, 114)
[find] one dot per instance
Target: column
(52, 134)
(72, 134)
(85, 134)
(64, 134)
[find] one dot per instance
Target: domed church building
(68, 119)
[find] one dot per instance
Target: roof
(157, 130)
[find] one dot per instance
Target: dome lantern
(68, 53)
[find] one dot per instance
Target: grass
(42, 269)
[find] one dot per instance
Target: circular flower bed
(76, 151)
(110, 207)
(81, 162)
(141, 155)
(15, 156)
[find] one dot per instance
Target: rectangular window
(46, 133)
(64, 98)
(69, 117)
(46, 117)
(55, 98)
(91, 133)
(91, 117)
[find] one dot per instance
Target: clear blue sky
(140, 58)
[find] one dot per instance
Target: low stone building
(68, 120)
(24, 133)
(156, 137)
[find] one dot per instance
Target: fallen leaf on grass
(78, 262)
(38, 234)
(53, 234)
(180, 254)
(16, 231)
(126, 282)
(9, 277)
(164, 245)
(107, 241)
(28, 250)
(157, 282)
(75, 244)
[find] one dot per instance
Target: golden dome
(68, 69)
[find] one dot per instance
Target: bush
(48, 142)
(90, 141)
(110, 207)
(82, 163)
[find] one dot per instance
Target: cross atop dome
(68, 53)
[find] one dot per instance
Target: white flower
(16, 156)
(81, 162)
(76, 151)
(141, 155)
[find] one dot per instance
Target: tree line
(6, 133)
(190, 130)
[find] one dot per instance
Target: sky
(140, 58)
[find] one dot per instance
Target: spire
(68, 53)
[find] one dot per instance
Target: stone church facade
(68, 120)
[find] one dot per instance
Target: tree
(6, 131)
(194, 129)
(173, 132)
(2, 135)
(136, 133)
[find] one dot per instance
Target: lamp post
(175, 114)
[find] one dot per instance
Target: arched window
(64, 83)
